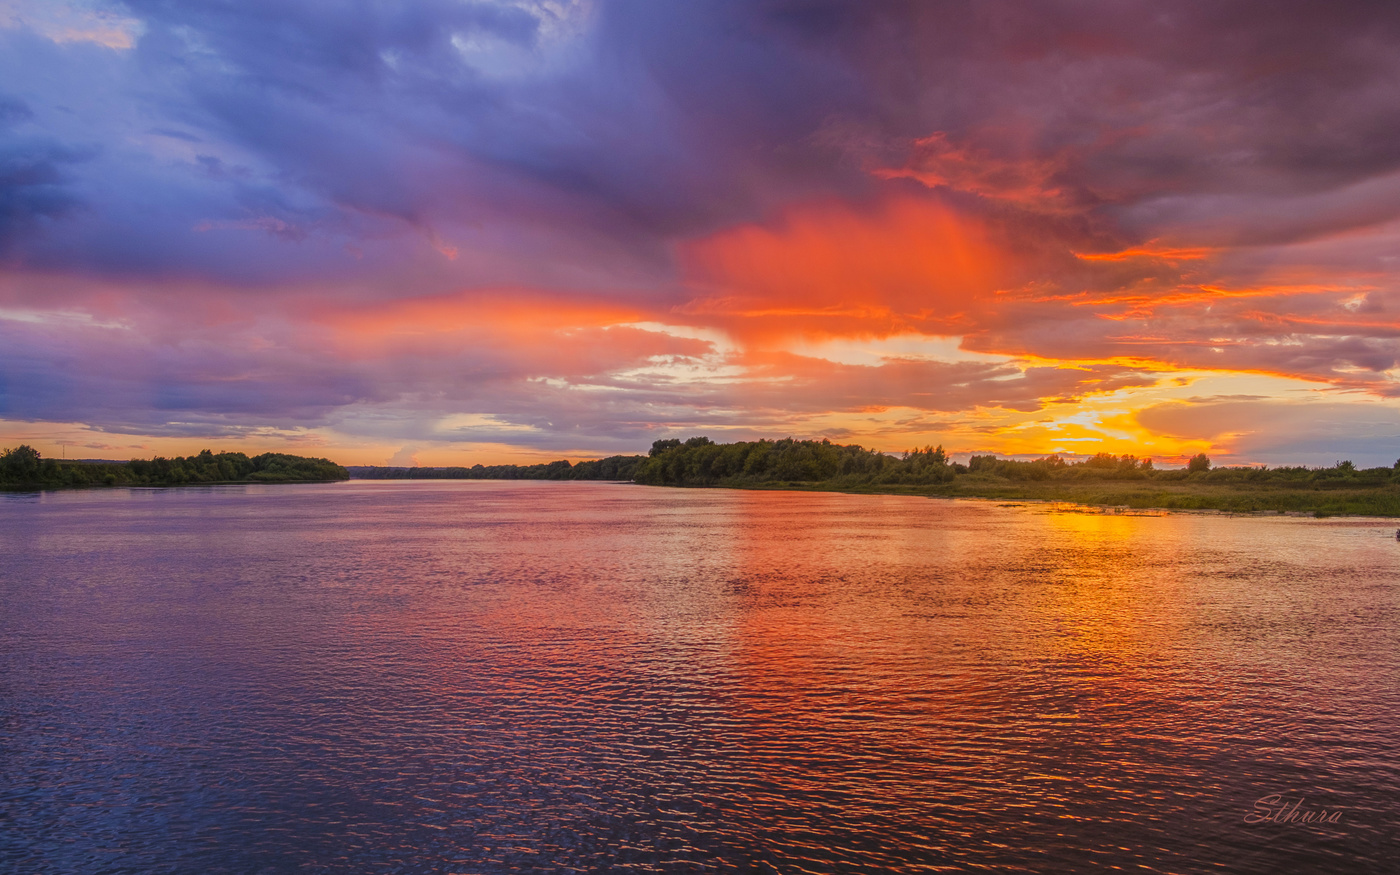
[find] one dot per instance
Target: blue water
(500, 677)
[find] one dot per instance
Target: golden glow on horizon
(1105, 422)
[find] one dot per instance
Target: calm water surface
(496, 677)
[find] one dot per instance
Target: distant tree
(659, 447)
(930, 456)
(1199, 462)
(20, 465)
(1346, 466)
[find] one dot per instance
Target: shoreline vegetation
(23, 469)
(613, 468)
(1103, 480)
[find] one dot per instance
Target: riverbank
(22, 469)
(1103, 480)
(1383, 501)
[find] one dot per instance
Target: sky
(448, 232)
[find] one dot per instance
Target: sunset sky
(449, 232)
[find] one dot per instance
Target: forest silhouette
(1101, 479)
(24, 468)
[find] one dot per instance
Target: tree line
(611, 468)
(702, 462)
(698, 461)
(24, 468)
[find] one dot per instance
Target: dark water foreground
(491, 677)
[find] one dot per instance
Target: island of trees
(23, 468)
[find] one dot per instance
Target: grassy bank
(1361, 501)
(1102, 480)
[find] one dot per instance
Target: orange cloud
(1165, 253)
(785, 381)
(498, 312)
(517, 332)
(830, 270)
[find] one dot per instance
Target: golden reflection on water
(1101, 611)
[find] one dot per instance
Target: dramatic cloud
(830, 270)
(578, 225)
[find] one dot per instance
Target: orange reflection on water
(515, 676)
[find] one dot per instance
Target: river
(513, 677)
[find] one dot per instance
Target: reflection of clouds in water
(537, 675)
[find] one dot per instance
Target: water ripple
(497, 677)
